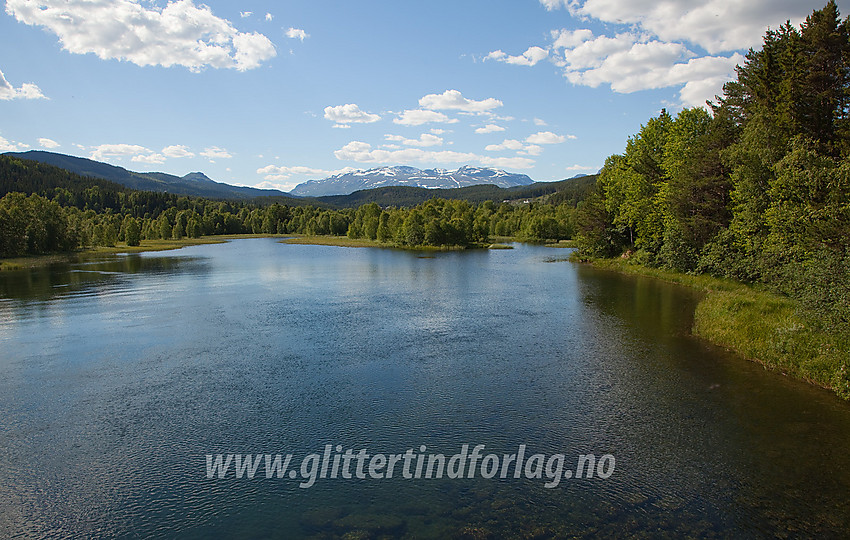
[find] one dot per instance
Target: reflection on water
(118, 376)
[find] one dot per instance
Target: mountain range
(346, 183)
(388, 185)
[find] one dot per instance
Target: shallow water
(118, 376)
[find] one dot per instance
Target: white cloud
(50, 144)
(532, 150)
(417, 117)
(214, 152)
(629, 62)
(516, 146)
(424, 140)
(26, 91)
(155, 159)
(507, 144)
(454, 100)
(180, 34)
(547, 137)
(569, 39)
(269, 17)
(539, 122)
(714, 25)
(177, 151)
(438, 131)
(103, 151)
(553, 4)
(580, 168)
(364, 153)
(664, 42)
(489, 128)
(349, 113)
(11, 146)
(245, 14)
(297, 33)
(529, 58)
(277, 173)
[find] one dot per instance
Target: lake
(124, 378)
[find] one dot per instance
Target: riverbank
(760, 326)
(36, 261)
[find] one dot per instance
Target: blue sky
(272, 94)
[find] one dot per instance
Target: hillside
(194, 184)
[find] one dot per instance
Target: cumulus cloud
(177, 151)
(297, 33)
(269, 17)
(342, 115)
(50, 144)
(489, 128)
(26, 91)
(628, 65)
(529, 58)
(516, 146)
(547, 137)
(417, 117)
(531, 150)
(714, 25)
(214, 152)
(281, 177)
(180, 33)
(630, 62)
(245, 14)
(11, 146)
(539, 122)
(424, 140)
(454, 100)
(663, 43)
(154, 159)
(104, 151)
(507, 144)
(364, 153)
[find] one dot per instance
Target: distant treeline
(758, 190)
(46, 209)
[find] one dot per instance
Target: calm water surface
(118, 376)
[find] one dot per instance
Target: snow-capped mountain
(343, 184)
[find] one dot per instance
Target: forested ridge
(46, 209)
(757, 189)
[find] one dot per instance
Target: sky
(274, 93)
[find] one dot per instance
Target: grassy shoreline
(758, 325)
(37, 261)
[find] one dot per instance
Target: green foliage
(757, 192)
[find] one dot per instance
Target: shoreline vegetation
(755, 323)
(754, 189)
(37, 261)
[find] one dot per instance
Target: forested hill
(758, 190)
(192, 184)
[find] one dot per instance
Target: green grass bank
(760, 326)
